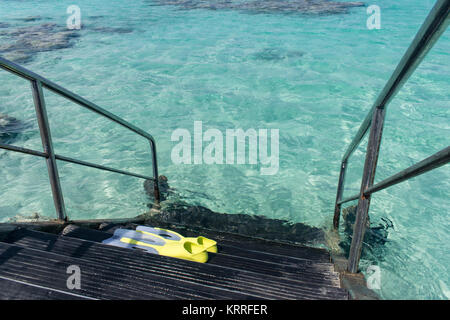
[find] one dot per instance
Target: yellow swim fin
(172, 236)
(187, 250)
(156, 244)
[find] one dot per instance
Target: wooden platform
(33, 265)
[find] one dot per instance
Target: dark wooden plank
(246, 242)
(239, 259)
(17, 290)
(235, 279)
(99, 280)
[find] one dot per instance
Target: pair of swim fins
(164, 242)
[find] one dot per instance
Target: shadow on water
(174, 210)
(178, 211)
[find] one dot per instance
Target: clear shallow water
(313, 77)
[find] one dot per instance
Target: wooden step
(228, 278)
(238, 256)
(18, 290)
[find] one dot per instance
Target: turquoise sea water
(313, 77)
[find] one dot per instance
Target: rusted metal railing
(435, 24)
(37, 83)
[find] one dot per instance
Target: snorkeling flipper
(115, 241)
(157, 245)
(169, 235)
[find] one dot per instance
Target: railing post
(340, 191)
(155, 173)
(47, 144)
(370, 165)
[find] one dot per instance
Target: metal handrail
(67, 159)
(433, 27)
(37, 83)
(435, 161)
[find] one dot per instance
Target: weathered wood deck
(33, 265)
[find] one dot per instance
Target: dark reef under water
(24, 42)
(10, 128)
(264, 6)
(20, 44)
(276, 54)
